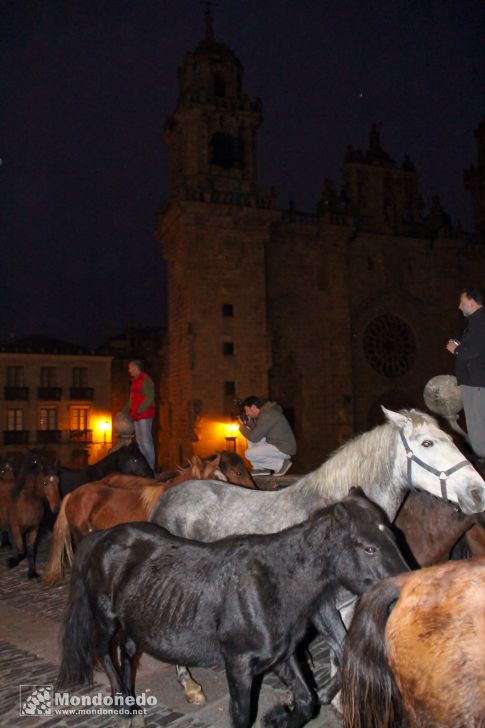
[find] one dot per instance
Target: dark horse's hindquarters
(246, 601)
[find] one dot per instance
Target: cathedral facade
(330, 313)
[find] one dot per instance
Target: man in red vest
(141, 408)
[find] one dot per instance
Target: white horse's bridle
(441, 474)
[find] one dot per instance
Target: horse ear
(341, 515)
(197, 466)
(400, 420)
(356, 490)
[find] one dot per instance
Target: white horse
(408, 451)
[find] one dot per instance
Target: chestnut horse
(414, 652)
(22, 510)
(119, 499)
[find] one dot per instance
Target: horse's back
(208, 510)
(435, 637)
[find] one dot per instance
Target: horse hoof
(12, 562)
(195, 696)
(33, 575)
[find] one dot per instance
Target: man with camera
(271, 441)
(470, 366)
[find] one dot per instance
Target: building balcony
(82, 393)
(16, 393)
(15, 437)
(44, 437)
(52, 394)
(81, 435)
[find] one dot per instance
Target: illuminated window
(48, 418)
(15, 419)
(79, 418)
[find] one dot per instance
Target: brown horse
(22, 510)
(116, 499)
(432, 527)
(414, 651)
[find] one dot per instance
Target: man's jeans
(265, 456)
(143, 433)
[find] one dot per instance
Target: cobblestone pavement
(30, 618)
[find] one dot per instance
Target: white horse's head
(428, 458)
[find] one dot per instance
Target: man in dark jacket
(271, 441)
(470, 366)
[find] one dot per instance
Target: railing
(49, 393)
(46, 436)
(84, 393)
(15, 437)
(81, 435)
(16, 393)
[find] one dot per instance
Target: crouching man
(270, 439)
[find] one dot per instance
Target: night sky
(87, 86)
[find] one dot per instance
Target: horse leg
(329, 623)
(17, 546)
(304, 701)
(106, 629)
(5, 540)
(192, 690)
(30, 545)
(128, 652)
(240, 682)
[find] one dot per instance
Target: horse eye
(427, 443)
(370, 550)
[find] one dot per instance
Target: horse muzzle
(472, 500)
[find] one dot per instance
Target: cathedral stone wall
(332, 313)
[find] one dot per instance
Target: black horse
(246, 601)
(128, 459)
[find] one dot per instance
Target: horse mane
(344, 466)
(150, 494)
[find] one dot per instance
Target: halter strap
(442, 474)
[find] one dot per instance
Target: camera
(242, 415)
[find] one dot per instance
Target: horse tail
(78, 639)
(370, 697)
(61, 548)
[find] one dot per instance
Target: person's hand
(451, 346)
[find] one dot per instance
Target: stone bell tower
(213, 231)
(212, 133)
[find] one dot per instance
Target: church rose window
(389, 346)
